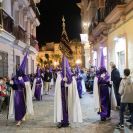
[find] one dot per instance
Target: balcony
(6, 22)
(33, 41)
(115, 14)
(20, 34)
(99, 28)
(35, 9)
(113, 11)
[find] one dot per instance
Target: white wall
(7, 6)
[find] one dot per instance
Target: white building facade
(18, 22)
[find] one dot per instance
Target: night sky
(51, 12)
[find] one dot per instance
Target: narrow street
(42, 122)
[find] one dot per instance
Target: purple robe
(105, 100)
(79, 86)
(19, 99)
(38, 87)
(64, 98)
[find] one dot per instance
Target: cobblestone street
(42, 122)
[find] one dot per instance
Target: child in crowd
(126, 92)
(2, 92)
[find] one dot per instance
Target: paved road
(42, 122)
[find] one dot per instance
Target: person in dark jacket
(115, 78)
(47, 80)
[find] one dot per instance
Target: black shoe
(128, 120)
(130, 126)
(66, 125)
(60, 125)
(120, 126)
(103, 119)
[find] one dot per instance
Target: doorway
(120, 54)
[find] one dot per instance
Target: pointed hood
(66, 67)
(38, 72)
(50, 69)
(102, 60)
(77, 69)
(21, 70)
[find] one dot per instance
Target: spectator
(126, 92)
(47, 80)
(2, 92)
(115, 78)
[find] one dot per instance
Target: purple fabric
(105, 101)
(26, 78)
(19, 99)
(22, 67)
(102, 60)
(38, 73)
(77, 69)
(79, 86)
(65, 65)
(38, 86)
(50, 69)
(64, 97)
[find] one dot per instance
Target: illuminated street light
(78, 61)
(55, 63)
(84, 38)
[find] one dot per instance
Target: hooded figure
(21, 95)
(37, 89)
(104, 97)
(79, 81)
(66, 101)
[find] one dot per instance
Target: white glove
(11, 82)
(20, 78)
(111, 82)
(65, 79)
(103, 75)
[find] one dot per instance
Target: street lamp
(55, 63)
(78, 61)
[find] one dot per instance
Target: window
(120, 53)
(17, 62)
(3, 64)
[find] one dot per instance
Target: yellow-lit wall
(124, 29)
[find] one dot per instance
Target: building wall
(126, 31)
(9, 50)
(11, 44)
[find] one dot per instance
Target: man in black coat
(47, 80)
(115, 78)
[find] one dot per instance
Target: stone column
(87, 55)
(28, 29)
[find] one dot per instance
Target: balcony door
(120, 53)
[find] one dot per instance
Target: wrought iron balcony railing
(20, 34)
(102, 13)
(111, 4)
(6, 22)
(33, 40)
(35, 9)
